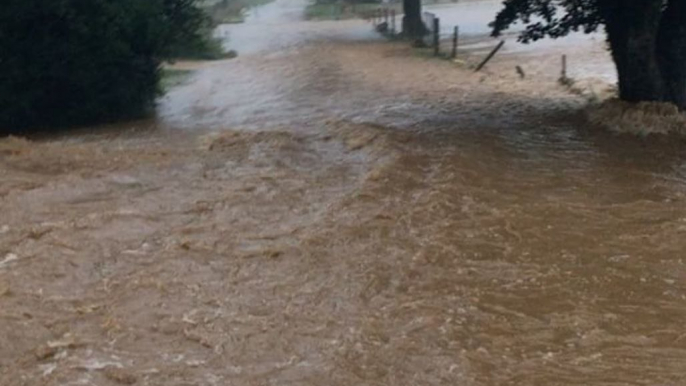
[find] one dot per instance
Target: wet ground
(342, 210)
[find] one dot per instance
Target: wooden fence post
(491, 55)
(564, 67)
(456, 34)
(437, 34)
(393, 22)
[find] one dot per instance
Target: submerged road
(334, 209)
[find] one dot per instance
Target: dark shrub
(74, 62)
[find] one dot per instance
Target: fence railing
(384, 20)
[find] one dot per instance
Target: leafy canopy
(554, 18)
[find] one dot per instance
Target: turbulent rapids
(333, 209)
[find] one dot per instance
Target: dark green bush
(75, 62)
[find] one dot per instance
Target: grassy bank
(230, 11)
(341, 11)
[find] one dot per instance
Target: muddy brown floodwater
(341, 210)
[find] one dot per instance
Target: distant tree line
(76, 62)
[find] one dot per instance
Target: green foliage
(74, 62)
(549, 18)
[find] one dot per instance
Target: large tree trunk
(413, 27)
(671, 51)
(632, 30)
(648, 44)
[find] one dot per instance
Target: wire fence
(385, 22)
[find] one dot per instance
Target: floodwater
(343, 210)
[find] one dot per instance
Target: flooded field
(334, 209)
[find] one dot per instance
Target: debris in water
(13, 146)
(94, 364)
(642, 118)
(521, 72)
(37, 233)
(48, 369)
(119, 375)
(45, 352)
(10, 257)
(68, 341)
(195, 363)
(4, 289)
(83, 310)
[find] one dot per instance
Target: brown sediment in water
(351, 214)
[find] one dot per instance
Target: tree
(74, 62)
(413, 26)
(647, 39)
